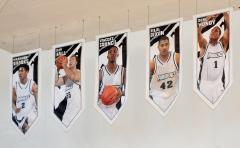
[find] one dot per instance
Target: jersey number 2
(168, 83)
(23, 105)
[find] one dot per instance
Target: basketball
(109, 95)
(59, 60)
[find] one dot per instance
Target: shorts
(163, 102)
(212, 90)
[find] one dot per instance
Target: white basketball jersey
(164, 81)
(25, 99)
(115, 79)
(73, 93)
(73, 96)
(213, 62)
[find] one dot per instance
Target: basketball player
(212, 57)
(70, 106)
(24, 99)
(164, 69)
(112, 74)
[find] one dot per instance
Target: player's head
(112, 53)
(73, 61)
(215, 34)
(23, 70)
(163, 45)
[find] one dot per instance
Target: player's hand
(212, 17)
(17, 110)
(64, 62)
(200, 28)
(226, 16)
(120, 93)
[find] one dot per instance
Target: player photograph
(212, 58)
(164, 64)
(112, 68)
(67, 88)
(25, 89)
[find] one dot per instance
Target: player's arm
(202, 42)
(59, 81)
(100, 82)
(100, 77)
(177, 58)
(152, 67)
(122, 92)
(14, 100)
(35, 92)
(72, 75)
(225, 38)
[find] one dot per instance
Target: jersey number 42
(166, 85)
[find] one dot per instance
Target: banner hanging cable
(55, 34)
(39, 40)
(229, 3)
(196, 6)
(179, 8)
(128, 17)
(148, 14)
(3, 5)
(99, 24)
(83, 23)
(13, 44)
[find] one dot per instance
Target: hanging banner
(164, 50)
(68, 101)
(112, 69)
(212, 72)
(25, 89)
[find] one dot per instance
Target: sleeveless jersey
(164, 81)
(115, 79)
(24, 99)
(213, 61)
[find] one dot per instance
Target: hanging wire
(4, 5)
(83, 31)
(229, 3)
(148, 14)
(13, 44)
(179, 8)
(196, 6)
(39, 40)
(99, 24)
(55, 34)
(128, 17)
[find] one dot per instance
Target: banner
(112, 69)
(25, 89)
(164, 50)
(212, 55)
(67, 88)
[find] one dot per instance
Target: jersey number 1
(215, 64)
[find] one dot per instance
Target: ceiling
(29, 24)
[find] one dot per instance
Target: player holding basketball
(24, 99)
(115, 75)
(212, 57)
(164, 69)
(69, 107)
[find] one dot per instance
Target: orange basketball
(58, 61)
(109, 95)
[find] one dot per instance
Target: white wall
(190, 123)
